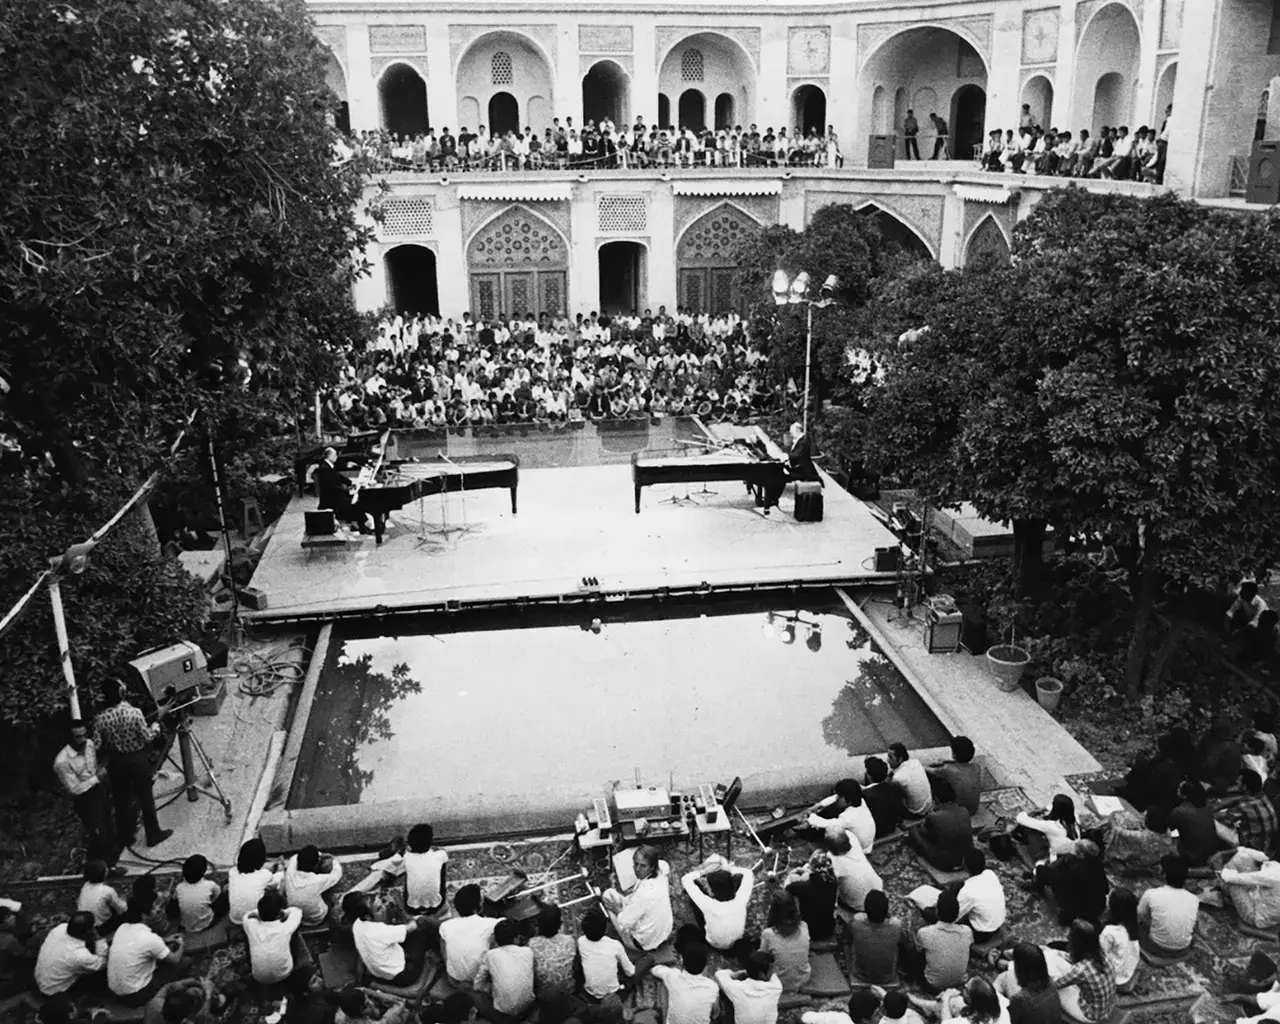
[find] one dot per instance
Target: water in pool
(551, 446)
(539, 703)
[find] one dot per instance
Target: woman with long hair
(787, 939)
(814, 887)
(1032, 997)
(979, 1004)
(1056, 824)
(1119, 937)
(1088, 987)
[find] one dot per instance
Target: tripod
(189, 749)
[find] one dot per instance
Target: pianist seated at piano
(335, 492)
(800, 459)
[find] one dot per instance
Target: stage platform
(457, 551)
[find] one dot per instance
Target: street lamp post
(793, 291)
(74, 562)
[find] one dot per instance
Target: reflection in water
(873, 702)
(351, 709)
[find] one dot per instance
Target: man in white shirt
(466, 938)
(98, 898)
(1251, 881)
(602, 957)
(504, 982)
(394, 953)
(643, 916)
(71, 953)
(1167, 914)
(76, 767)
(307, 881)
(909, 773)
(846, 808)
(274, 942)
(424, 872)
(1246, 608)
(855, 877)
(754, 992)
(982, 902)
(140, 963)
(691, 996)
(721, 907)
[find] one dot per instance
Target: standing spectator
(123, 733)
(77, 769)
(1162, 145)
(910, 129)
(940, 142)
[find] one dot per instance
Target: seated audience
(394, 953)
(554, 953)
(1086, 987)
(201, 901)
(643, 917)
(1196, 827)
(910, 774)
(946, 833)
(602, 957)
(962, 773)
(979, 1003)
(466, 937)
(1056, 824)
(1135, 846)
(944, 946)
(875, 940)
(1119, 937)
(182, 1000)
(896, 1008)
(425, 868)
(883, 797)
(753, 992)
(100, 899)
(71, 956)
(981, 896)
(274, 942)
(692, 997)
(855, 877)
(863, 1008)
(1026, 984)
(1167, 914)
(1253, 816)
(504, 982)
(815, 888)
(846, 808)
(249, 880)
(1251, 881)
(140, 963)
(1246, 608)
(1077, 882)
(1221, 757)
(720, 892)
(308, 879)
(786, 939)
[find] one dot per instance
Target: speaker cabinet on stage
(252, 597)
(216, 655)
(1264, 173)
(882, 151)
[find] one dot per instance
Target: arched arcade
(709, 81)
(505, 75)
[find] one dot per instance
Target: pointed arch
(727, 205)
(518, 262)
(498, 61)
(513, 211)
(707, 258)
(900, 228)
(499, 37)
(712, 63)
(987, 240)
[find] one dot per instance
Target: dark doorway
(809, 110)
(968, 121)
(604, 94)
(404, 101)
(692, 111)
(621, 277)
(895, 233)
(724, 111)
(664, 111)
(504, 114)
(342, 117)
(411, 280)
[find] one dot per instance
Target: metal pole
(808, 357)
(319, 423)
(64, 648)
(226, 536)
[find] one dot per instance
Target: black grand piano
(746, 461)
(384, 486)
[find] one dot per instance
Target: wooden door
(519, 293)
(693, 288)
(722, 292)
(486, 290)
(551, 289)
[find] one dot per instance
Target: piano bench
(311, 542)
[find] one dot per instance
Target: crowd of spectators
(1113, 153)
(604, 145)
(425, 371)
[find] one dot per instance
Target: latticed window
(691, 66)
(500, 68)
(626, 213)
(407, 217)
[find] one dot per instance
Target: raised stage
(468, 550)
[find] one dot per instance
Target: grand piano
(750, 463)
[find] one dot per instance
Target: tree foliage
(175, 235)
(1119, 379)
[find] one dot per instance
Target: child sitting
(602, 957)
(99, 899)
(201, 901)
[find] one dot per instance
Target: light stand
(74, 561)
(226, 543)
(788, 291)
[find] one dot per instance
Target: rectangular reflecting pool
(507, 719)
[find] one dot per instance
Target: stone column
(1192, 134)
(1149, 16)
(362, 90)
(451, 258)
(644, 83)
(662, 251)
(442, 87)
(1004, 89)
(1064, 85)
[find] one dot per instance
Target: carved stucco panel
(689, 208)
(605, 39)
(335, 38)
(477, 212)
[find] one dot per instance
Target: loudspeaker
(888, 559)
(252, 597)
(1264, 173)
(320, 524)
(215, 655)
(882, 150)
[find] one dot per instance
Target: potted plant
(1007, 661)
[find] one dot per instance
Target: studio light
(781, 284)
(799, 287)
(74, 561)
(789, 633)
(814, 640)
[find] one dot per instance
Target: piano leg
(637, 499)
(379, 525)
(513, 501)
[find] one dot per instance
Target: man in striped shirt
(122, 731)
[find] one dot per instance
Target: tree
(175, 235)
(1117, 379)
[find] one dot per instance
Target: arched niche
(897, 232)
(606, 93)
(809, 110)
(707, 258)
(412, 286)
(1107, 69)
(987, 245)
(712, 64)
(1038, 95)
(402, 97)
(518, 263)
(504, 62)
